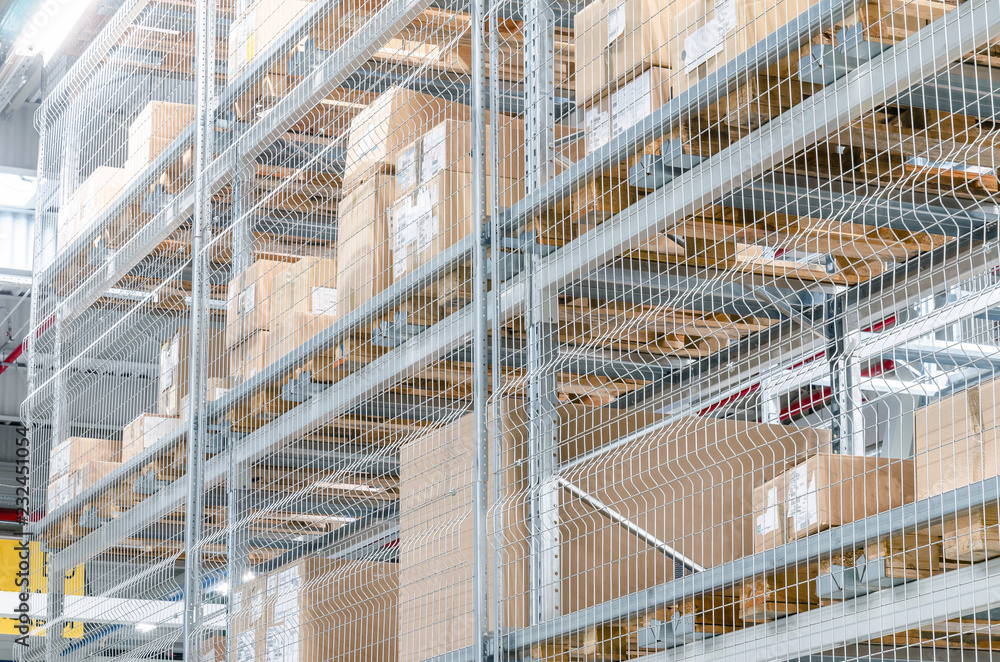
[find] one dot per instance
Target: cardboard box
(363, 250)
(707, 34)
(90, 473)
(317, 610)
(215, 388)
(770, 521)
(829, 490)
(611, 115)
(214, 649)
(249, 357)
(175, 357)
(75, 452)
(448, 146)
(153, 130)
(82, 208)
(307, 286)
(436, 216)
(617, 41)
(397, 118)
(248, 304)
(60, 491)
(146, 431)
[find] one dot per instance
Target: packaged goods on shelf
(175, 375)
(85, 205)
(828, 490)
(363, 252)
(61, 490)
(215, 388)
(617, 41)
(318, 610)
(214, 649)
(75, 452)
(608, 116)
(395, 119)
(956, 445)
(437, 215)
(258, 27)
(146, 431)
(689, 484)
(248, 305)
(706, 34)
(154, 129)
(307, 286)
(90, 473)
(327, 365)
(249, 357)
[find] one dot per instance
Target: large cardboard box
(363, 249)
(317, 610)
(828, 490)
(396, 118)
(175, 358)
(248, 304)
(75, 452)
(706, 34)
(249, 357)
(438, 215)
(155, 127)
(956, 445)
(257, 26)
(611, 115)
(617, 41)
(146, 431)
(61, 490)
(82, 208)
(90, 473)
(308, 286)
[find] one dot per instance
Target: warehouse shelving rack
(688, 385)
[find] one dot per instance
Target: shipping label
(598, 127)
(802, 498)
(616, 23)
(323, 300)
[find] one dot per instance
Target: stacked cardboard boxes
(688, 483)
(70, 466)
(956, 445)
(82, 209)
(318, 610)
(149, 135)
(146, 431)
(363, 249)
(175, 359)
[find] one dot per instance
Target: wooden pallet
(972, 538)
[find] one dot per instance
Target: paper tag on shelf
(616, 23)
(435, 153)
(166, 377)
(701, 45)
(406, 169)
(323, 300)
(598, 127)
(61, 455)
(248, 299)
(768, 522)
(631, 104)
(725, 16)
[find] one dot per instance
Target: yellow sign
(11, 579)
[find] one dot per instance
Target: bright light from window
(16, 191)
(221, 588)
(145, 627)
(49, 26)
(248, 576)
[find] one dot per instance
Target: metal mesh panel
(410, 330)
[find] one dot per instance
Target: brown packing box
(436, 216)
(146, 431)
(248, 304)
(90, 473)
(829, 490)
(92, 197)
(249, 357)
(396, 118)
(610, 115)
(770, 522)
(616, 41)
(215, 388)
(317, 610)
(698, 45)
(436, 527)
(175, 353)
(214, 649)
(259, 26)
(363, 250)
(153, 130)
(60, 491)
(75, 452)
(308, 286)
(448, 146)
(956, 445)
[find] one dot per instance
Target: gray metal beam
(963, 91)
(830, 202)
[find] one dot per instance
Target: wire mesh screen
(429, 330)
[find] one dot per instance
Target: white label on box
(61, 457)
(802, 498)
(63, 489)
(272, 584)
(631, 104)
(237, 601)
(616, 23)
(324, 300)
(406, 169)
(256, 605)
(175, 351)
(166, 378)
(598, 127)
(245, 644)
(768, 522)
(287, 603)
(725, 15)
(248, 299)
(435, 153)
(274, 644)
(701, 45)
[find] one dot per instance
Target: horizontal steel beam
(828, 203)
(959, 91)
